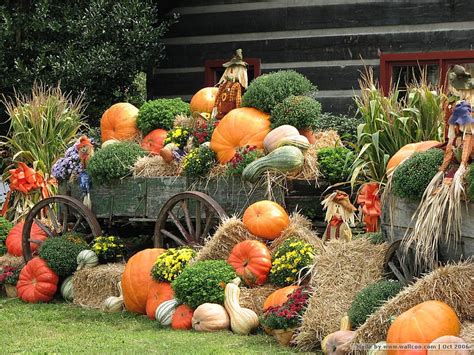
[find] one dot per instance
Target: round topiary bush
(160, 114)
(297, 111)
(5, 227)
(115, 161)
(268, 90)
(370, 298)
(203, 282)
(61, 254)
(335, 163)
(413, 176)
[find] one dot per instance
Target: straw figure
(86, 151)
(340, 212)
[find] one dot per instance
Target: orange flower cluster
(369, 200)
(25, 179)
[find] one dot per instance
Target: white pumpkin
(164, 312)
(86, 259)
(67, 290)
(210, 317)
(109, 142)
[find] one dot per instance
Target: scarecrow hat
(237, 59)
(461, 114)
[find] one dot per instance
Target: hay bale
(230, 232)
(254, 298)
(452, 284)
(327, 139)
(310, 169)
(338, 275)
(154, 165)
(467, 332)
(10, 260)
(93, 285)
(299, 228)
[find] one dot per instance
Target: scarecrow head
(236, 70)
(338, 203)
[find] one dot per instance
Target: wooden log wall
(329, 41)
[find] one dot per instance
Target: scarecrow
(85, 150)
(231, 85)
(339, 214)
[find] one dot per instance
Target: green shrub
(373, 237)
(412, 177)
(268, 90)
(160, 114)
(115, 161)
(203, 282)
(61, 254)
(370, 298)
(334, 163)
(345, 126)
(199, 161)
(5, 227)
(298, 111)
(470, 182)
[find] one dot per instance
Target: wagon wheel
(64, 214)
(400, 265)
(186, 219)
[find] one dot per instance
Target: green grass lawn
(64, 328)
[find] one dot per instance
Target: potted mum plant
(282, 321)
(9, 277)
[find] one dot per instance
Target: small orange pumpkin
(422, 324)
(309, 134)
(15, 238)
(407, 151)
(158, 293)
(137, 281)
(154, 141)
(240, 127)
(279, 297)
(266, 219)
(37, 282)
(203, 100)
(182, 318)
(119, 122)
(251, 261)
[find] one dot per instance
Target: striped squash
(67, 290)
(86, 259)
(164, 312)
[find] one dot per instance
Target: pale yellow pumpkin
(450, 345)
(210, 317)
(242, 320)
(333, 343)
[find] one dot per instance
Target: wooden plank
(101, 198)
(129, 197)
(159, 190)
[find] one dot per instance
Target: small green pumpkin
(87, 259)
(113, 304)
(67, 290)
(164, 312)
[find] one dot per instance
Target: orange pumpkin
(203, 100)
(449, 345)
(422, 324)
(159, 292)
(119, 122)
(266, 219)
(308, 133)
(407, 151)
(15, 238)
(137, 281)
(240, 127)
(252, 261)
(182, 318)
(37, 282)
(279, 297)
(154, 141)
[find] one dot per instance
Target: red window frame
(211, 66)
(443, 59)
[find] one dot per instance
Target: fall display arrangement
(264, 268)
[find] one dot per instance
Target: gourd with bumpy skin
(210, 317)
(332, 344)
(284, 159)
(113, 304)
(87, 259)
(165, 311)
(67, 290)
(242, 320)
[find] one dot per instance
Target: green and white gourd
(67, 290)
(87, 259)
(164, 312)
(282, 136)
(113, 304)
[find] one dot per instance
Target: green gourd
(284, 159)
(113, 304)
(67, 290)
(164, 312)
(299, 141)
(87, 258)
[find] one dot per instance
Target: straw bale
(452, 284)
(467, 332)
(153, 166)
(338, 275)
(93, 285)
(254, 298)
(310, 169)
(299, 228)
(327, 139)
(10, 260)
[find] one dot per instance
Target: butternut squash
(242, 320)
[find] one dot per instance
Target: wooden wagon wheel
(64, 214)
(400, 265)
(186, 219)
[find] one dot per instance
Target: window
(214, 70)
(405, 67)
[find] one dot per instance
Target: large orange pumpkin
(279, 297)
(159, 292)
(119, 122)
(182, 318)
(407, 151)
(15, 238)
(266, 219)
(137, 281)
(154, 141)
(203, 100)
(240, 127)
(252, 261)
(422, 324)
(37, 282)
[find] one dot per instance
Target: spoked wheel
(57, 216)
(400, 265)
(187, 219)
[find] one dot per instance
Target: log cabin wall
(329, 41)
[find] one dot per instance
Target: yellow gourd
(346, 323)
(242, 320)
